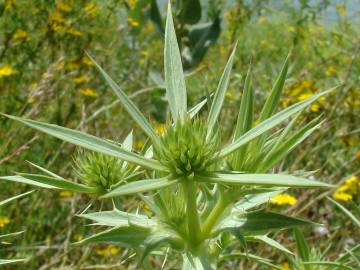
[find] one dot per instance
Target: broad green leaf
(220, 93)
(129, 236)
(190, 11)
(8, 235)
(6, 201)
(200, 262)
(90, 142)
(261, 179)
(48, 182)
(288, 145)
(346, 212)
(269, 124)
(269, 241)
(244, 120)
(174, 75)
(260, 221)
(128, 104)
(155, 16)
(302, 247)
(140, 186)
(119, 218)
(258, 259)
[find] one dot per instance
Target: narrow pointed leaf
(45, 170)
(269, 124)
(128, 104)
(141, 186)
(272, 180)
(2, 261)
(174, 75)
(6, 201)
(220, 93)
(302, 247)
(48, 182)
(286, 147)
(129, 236)
(244, 121)
(119, 218)
(346, 212)
(270, 242)
(8, 235)
(258, 259)
(90, 142)
(334, 264)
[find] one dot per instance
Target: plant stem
(193, 222)
(214, 216)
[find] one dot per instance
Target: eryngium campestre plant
(202, 195)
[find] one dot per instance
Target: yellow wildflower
(305, 96)
(73, 31)
(261, 20)
(20, 34)
(88, 92)
(30, 100)
(348, 189)
(330, 71)
(91, 9)
(160, 128)
(62, 6)
(4, 221)
(72, 65)
(291, 29)
(341, 9)
(132, 3)
(283, 199)
(264, 44)
(9, 4)
(57, 27)
(108, 251)
(139, 144)
(133, 22)
(87, 61)
(315, 107)
(56, 17)
(229, 95)
(78, 237)
(65, 194)
(6, 70)
(81, 79)
(342, 196)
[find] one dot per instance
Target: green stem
(193, 222)
(214, 216)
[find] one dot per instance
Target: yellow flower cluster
(133, 22)
(108, 251)
(19, 34)
(91, 9)
(283, 199)
(346, 191)
(65, 194)
(160, 128)
(4, 221)
(6, 70)
(81, 79)
(88, 92)
(58, 22)
(302, 90)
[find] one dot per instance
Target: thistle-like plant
(202, 192)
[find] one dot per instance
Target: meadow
(55, 61)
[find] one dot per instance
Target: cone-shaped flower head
(185, 149)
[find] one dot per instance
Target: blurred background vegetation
(46, 75)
